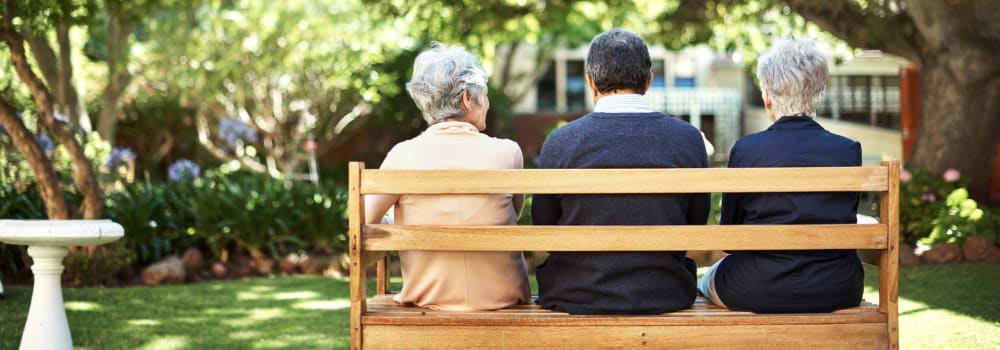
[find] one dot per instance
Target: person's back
(620, 133)
(449, 88)
(792, 76)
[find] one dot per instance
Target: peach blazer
(459, 281)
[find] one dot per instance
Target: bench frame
(380, 323)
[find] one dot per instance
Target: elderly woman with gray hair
(449, 88)
(793, 77)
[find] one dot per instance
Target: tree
(270, 82)
(953, 44)
(59, 128)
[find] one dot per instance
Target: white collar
(452, 126)
(622, 103)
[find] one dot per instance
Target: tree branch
(45, 176)
(83, 173)
(205, 140)
(893, 32)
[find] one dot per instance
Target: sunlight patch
(297, 295)
(336, 304)
(248, 296)
(244, 335)
(144, 322)
(82, 306)
(266, 314)
(172, 342)
(262, 289)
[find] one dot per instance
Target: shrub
(937, 209)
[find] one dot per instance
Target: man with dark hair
(621, 132)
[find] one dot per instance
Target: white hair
(794, 75)
(440, 75)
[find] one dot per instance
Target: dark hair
(618, 59)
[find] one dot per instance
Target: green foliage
(219, 212)
(98, 266)
(937, 209)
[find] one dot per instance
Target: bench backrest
(883, 236)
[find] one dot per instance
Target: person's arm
(700, 204)
(518, 164)
(730, 213)
(376, 205)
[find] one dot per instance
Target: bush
(937, 209)
(218, 211)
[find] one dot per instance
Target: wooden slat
(356, 216)
(623, 238)
(888, 289)
(382, 310)
(763, 336)
(382, 276)
(594, 181)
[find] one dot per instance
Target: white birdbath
(47, 241)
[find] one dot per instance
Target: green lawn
(941, 307)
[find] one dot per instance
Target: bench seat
(386, 324)
(379, 323)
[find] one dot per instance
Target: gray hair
(618, 59)
(440, 75)
(794, 74)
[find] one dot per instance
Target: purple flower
(951, 175)
(119, 156)
(183, 169)
(930, 197)
(45, 142)
(905, 175)
(232, 130)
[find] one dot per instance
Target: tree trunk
(46, 178)
(83, 173)
(68, 98)
(960, 126)
(118, 77)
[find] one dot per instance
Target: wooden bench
(379, 323)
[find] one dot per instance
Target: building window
(576, 86)
(659, 81)
(546, 90)
(867, 99)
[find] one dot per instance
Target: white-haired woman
(793, 77)
(449, 88)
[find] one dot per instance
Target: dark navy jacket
(791, 281)
(620, 283)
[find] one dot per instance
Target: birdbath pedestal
(47, 241)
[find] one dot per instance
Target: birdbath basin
(47, 241)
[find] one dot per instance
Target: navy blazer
(791, 281)
(620, 282)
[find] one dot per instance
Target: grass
(941, 307)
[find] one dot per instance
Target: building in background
(710, 90)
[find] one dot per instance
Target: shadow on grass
(968, 288)
(278, 313)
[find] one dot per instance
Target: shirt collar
(452, 127)
(621, 103)
(795, 122)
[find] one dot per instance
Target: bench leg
(46, 327)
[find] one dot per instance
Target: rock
(943, 253)
(290, 263)
(194, 261)
(907, 257)
(978, 248)
(218, 269)
(263, 265)
(168, 270)
(316, 264)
